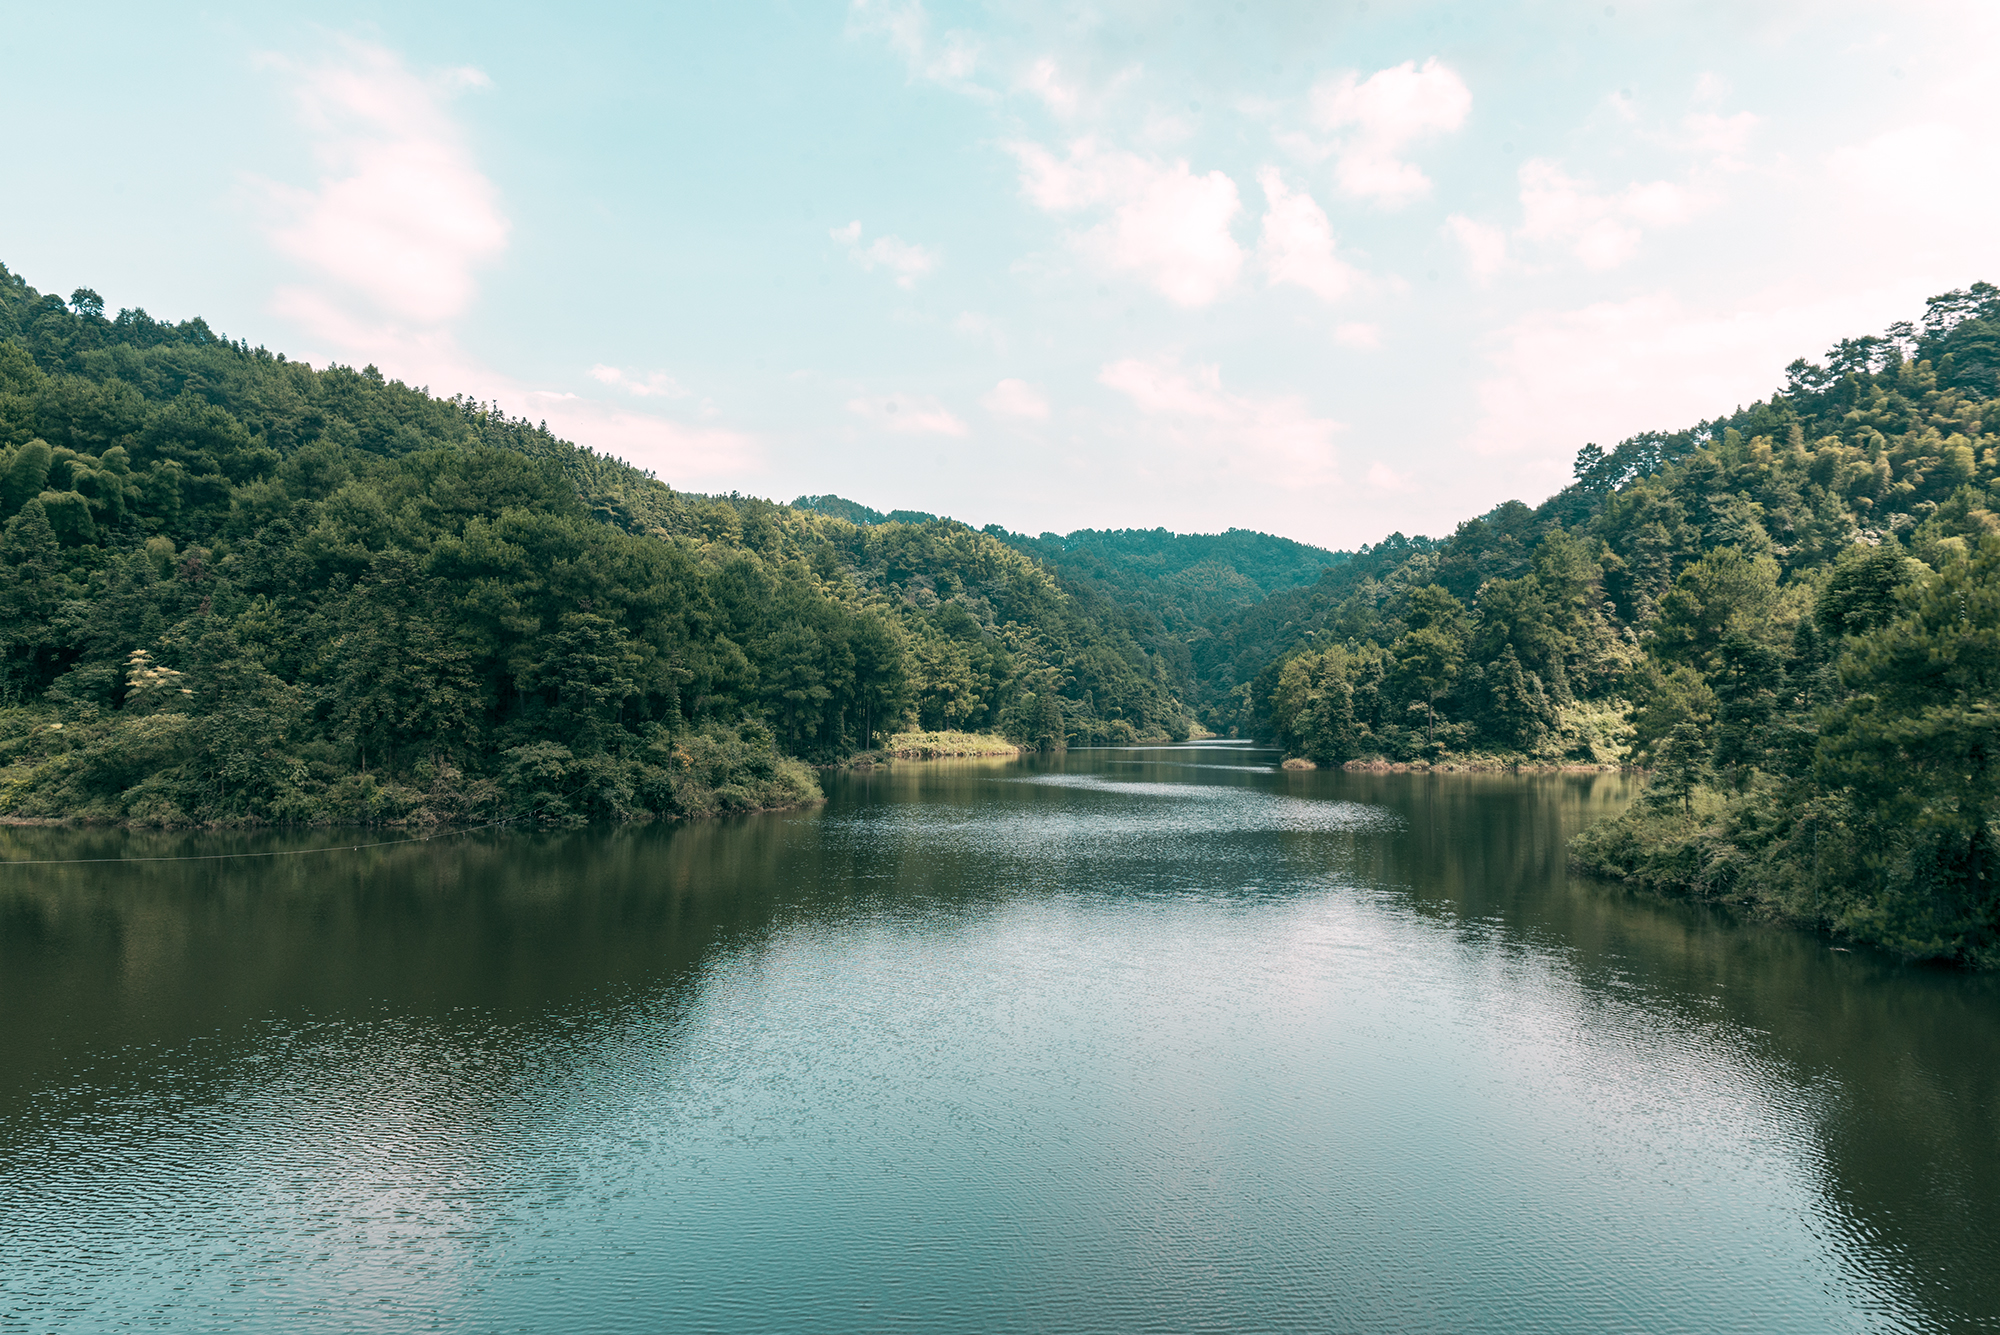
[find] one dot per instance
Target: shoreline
(437, 829)
(995, 749)
(1299, 764)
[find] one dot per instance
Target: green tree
(1747, 679)
(1665, 698)
(31, 589)
(947, 690)
(1313, 707)
(26, 475)
(1428, 655)
(1680, 768)
(1914, 757)
(1862, 594)
(881, 686)
(69, 517)
(1726, 592)
(796, 683)
(1433, 607)
(1048, 729)
(1520, 710)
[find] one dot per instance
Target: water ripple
(787, 1074)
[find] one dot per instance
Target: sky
(1327, 270)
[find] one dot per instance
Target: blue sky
(1327, 270)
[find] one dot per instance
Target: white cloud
(691, 457)
(418, 355)
(1485, 247)
(1057, 186)
(1379, 117)
(908, 415)
(1165, 128)
(1603, 231)
(1361, 337)
(391, 238)
(400, 218)
(685, 456)
(1016, 398)
(656, 385)
(1659, 203)
(1045, 82)
(1279, 435)
(1167, 226)
(1933, 166)
(1605, 371)
(1722, 137)
(983, 329)
(906, 261)
(950, 60)
(1297, 243)
(1067, 94)
(1916, 157)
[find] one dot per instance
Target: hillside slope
(237, 588)
(1792, 613)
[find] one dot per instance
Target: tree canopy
(379, 604)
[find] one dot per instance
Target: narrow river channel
(1118, 1041)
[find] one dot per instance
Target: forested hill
(236, 588)
(1188, 597)
(1231, 569)
(1791, 612)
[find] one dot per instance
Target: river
(1118, 1041)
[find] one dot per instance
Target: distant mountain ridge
(1185, 594)
(1264, 561)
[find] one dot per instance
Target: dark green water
(1130, 1041)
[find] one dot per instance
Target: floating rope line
(274, 853)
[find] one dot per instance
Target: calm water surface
(1139, 1040)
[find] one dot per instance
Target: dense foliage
(1190, 598)
(239, 588)
(1791, 615)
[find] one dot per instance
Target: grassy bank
(941, 745)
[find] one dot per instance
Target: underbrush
(1809, 858)
(1682, 849)
(177, 769)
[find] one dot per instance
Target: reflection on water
(1127, 1040)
